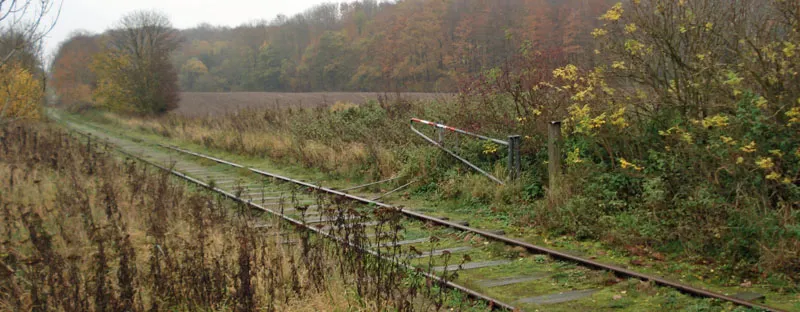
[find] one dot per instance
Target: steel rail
(494, 303)
(619, 271)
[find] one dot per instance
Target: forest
(367, 45)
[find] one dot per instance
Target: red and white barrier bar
(448, 128)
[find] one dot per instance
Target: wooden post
(440, 133)
(513, 157)
(554, 152)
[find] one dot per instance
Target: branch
(3, 111)
(27, 31)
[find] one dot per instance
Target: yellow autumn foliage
(716, 121)
(111, 78)
(626, 164)
(21, 94)
(613, 14)
(765, 163)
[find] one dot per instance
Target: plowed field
(205, 103)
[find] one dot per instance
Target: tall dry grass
(83, 231)
(353, 141)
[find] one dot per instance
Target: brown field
(204, 103)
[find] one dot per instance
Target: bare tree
(147, 38)
(690, 53)
(23, 25)
(28, 21)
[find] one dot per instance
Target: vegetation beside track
(85, 231)
(609, 292)
(479, 215)
(696, 158)
(681, 143)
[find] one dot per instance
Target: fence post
(554, 152)
(513, 157)
(440, 133)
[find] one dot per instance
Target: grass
(83, 230)
(460, 204)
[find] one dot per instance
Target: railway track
(489, 265)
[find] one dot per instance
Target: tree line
(411, 45)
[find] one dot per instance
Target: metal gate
(512, 144)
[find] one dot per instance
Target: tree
(21, 90)
(114, 82)
(696, 56)
(71, 76)
(135, 73)
(327, 64)
(192, 71)
(269, 68)
(410, 45)
(20, 93)
(23, 24)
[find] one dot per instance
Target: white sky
(98, 15)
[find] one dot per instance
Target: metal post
(554, 152)
(440, 133)
(513, 157)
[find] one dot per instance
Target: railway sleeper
(469, 265)
(513, 280)
(325, 219)
(256, 192)
(559, 297)
(439, 252)
(405, 242)
(190, 169)
(288, 204)
(328, 227)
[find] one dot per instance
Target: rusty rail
(619, 271)
(494, 303)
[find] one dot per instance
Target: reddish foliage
(521, 78)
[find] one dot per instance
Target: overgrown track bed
(485, 266)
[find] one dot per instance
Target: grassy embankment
(279, 140)
(84, 231)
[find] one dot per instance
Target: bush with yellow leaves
(702, 111)
(21, 94)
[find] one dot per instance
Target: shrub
(685, 135)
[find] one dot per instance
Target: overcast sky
(97, 15)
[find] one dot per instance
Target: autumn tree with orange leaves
(71, 77)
